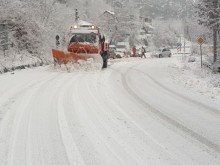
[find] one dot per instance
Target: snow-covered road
(128, 114)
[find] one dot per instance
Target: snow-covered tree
(209, 13)
(166, 9)
(166, 33)
(33, 25)
(122, 22)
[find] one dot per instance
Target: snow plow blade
(61, 57)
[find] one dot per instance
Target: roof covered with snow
(81, 22)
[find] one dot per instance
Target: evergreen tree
(209, 13)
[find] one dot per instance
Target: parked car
(121, 51)
(112, 53)
(165, 52)
(120, 54)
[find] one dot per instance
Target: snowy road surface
(128, 114)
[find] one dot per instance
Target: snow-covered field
(139, 111)
(193, 77)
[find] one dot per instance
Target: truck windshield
(84, 37)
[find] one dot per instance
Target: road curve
(128, 114)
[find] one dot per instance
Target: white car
(122, 51)
(165, 52)
(120, 54)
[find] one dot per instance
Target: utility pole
(215, 44)
(201, 53)
(215, 5)
(184, 41)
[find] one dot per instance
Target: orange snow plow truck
(84, 42)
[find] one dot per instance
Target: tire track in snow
(23, 87)
(128, 155)
(165, 117)
(118, 135)
(10, 96)
(47, 143)
(22, 115)
(72, 151)
(156, 145)
(94, 156)
(205, 106)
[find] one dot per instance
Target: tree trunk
(215, 44)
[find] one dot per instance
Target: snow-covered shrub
(191, 59)
(25, 35)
